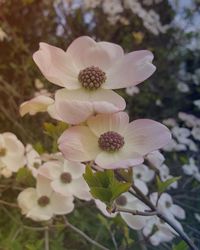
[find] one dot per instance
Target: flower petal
(178, 211)
(76, 169)
(56, 66)
(61, 204)
(120, 159)
(81, 189)
(145, 135)
(102, 123)
(135, 222)
(107, 101)
(27, 199)
(37, 104)
(39, 213)
(73, 106)
(132, 69)
(79, 144)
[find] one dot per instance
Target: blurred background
(168, 28)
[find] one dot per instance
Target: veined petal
(79, 144)
(73, 106)
(56, 66)
(114, 50)
(102, 123)
(132, 69)
(119, 159)
(145, 135)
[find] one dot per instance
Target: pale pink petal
(107, 101)
(114, 50)
(80, 189)
(86, 52)
(27, 199)
(51, 169)
(51, 109)
(43, 186)
(39, 213)
(145, 136)
(102, 123)
(61, 205)
(132, 69)
(56, 66)
(76, 169)
(120, 159)
(37, 104)
(135, 222)
(73, 106)
(79, 144)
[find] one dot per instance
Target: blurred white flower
(66, 178)
(191, 169)
(155, 158)
(112, 7)
(180, 133)
(168, 208)
(102, 207)
(132, 90)
(196, 133)
(38, 84)
(11, 154)
(174, 146)
(42, 203)
(183, 87)
(170, 122)
(197, 217)
(157, 231)
(128, 201)
(143, 173)
(190, 120)
(197, 103)
(33, 159)
(165, 175)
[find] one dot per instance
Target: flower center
(111, 141)
(43, 201)
(2, 152)
(65, 177)
(121, 200)
(167, 204)
(92, 77)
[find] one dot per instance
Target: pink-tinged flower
(90, 70)
(128, 201)
(11, 153)
(66, 178)
(35, 105)
(42, 203)
(112, 142)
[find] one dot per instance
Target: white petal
(61, 204)
(134, 221)
(79, 144)
(76, 169)
(132, 69)
(43, 186)
(81, 189)
(39, 213)
(120, 159)
(51, 169)
(56, 66)
(145, 135)
(102, 207)
(117, 122)
(27, 199)
(178, 211)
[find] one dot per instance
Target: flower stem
(135, 212)
(77, 230)
(142, 197)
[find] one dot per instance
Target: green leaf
(162, 186)
(104, 185)
(55, 131)
(24, 176)
(180, 246)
